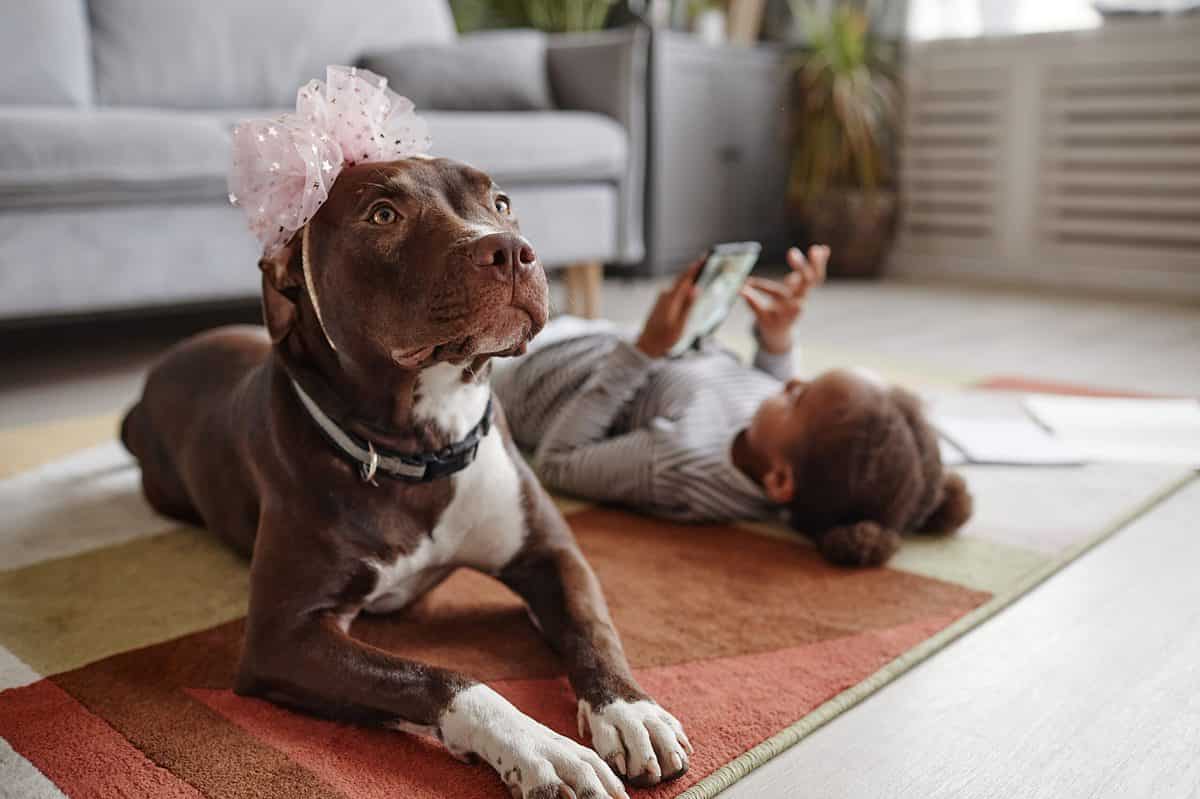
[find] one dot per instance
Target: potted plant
(553, 16)
(844, 120)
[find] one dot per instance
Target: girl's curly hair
(874, 473)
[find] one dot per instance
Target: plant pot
(858, 228)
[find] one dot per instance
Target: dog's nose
(505, 251)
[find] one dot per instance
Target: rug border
(738, 768)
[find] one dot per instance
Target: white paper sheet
(1106, 429)
(1013, 439)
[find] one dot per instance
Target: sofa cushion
(45, 54)
(233, 53)
(58, 155)
(533, 146)
(502, 70)
(55, 156)
(109, 152)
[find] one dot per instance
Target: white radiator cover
(1066, 159)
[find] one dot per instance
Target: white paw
(640, 740)
(534, 761)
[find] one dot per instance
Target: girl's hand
(777, 304)
(667, 319)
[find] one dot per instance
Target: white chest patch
(483, 527)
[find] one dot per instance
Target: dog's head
(409, 263)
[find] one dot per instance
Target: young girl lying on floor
(702, 437)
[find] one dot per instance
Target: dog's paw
(533, 760)
(641, 741)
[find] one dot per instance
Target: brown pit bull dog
(357, 457)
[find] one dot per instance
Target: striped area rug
(119, 631)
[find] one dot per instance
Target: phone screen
(718, 283)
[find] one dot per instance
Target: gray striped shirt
(607, 423)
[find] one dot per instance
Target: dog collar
(420, 467)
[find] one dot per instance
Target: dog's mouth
(465, 349)
(504, 337)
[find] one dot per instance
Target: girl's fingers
(665, 302)
(692, 269)
(811, 267)
(756, 305)
(809, 271)
(818, 256)
(689, 298)
(799, 282)
(687, 276)
(680, 309)
(795, 258)
(685, 283)
(771, 287)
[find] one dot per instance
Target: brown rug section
(679, 594)
(142, 695)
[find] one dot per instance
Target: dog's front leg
(301, 656)
(634, 735)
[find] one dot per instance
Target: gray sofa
(115, 118)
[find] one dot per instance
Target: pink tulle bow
(283, 168)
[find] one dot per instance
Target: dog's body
(387, 320)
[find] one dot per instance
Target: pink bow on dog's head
(283, 168)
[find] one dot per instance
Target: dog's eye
(384, 215)
(502, 204)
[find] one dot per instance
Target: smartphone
(719, 281)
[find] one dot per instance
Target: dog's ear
(282, 279)
(858, 544)
(953, 509)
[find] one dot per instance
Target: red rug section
(78, 751)
(1026, 385)
(727, 705)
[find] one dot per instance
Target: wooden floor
(1087, 687)
(93, 368)
(1096, 341)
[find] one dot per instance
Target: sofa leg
(583, 288)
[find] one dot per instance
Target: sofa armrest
(607, 72)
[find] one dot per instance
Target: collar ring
(371, 466)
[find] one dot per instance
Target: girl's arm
(578, 456)
(619, 469)
(779, 365)
(777, 305)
